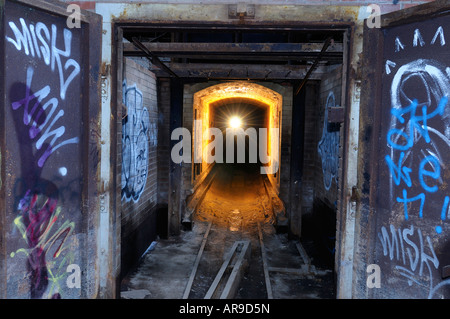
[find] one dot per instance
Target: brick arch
(245, 92)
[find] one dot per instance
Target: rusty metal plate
(410, 155)
(336, 114)
(49, 181)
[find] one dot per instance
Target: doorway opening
(222, 77)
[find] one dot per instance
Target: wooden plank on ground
(196, 263)
(293, 271)
(265, 265)
(237, 273)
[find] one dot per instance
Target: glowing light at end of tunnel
(235, 122)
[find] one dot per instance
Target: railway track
(213, 262)
(233, 265)
(233, 260)
(231, 252)
(219, 269)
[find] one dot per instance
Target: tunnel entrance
(280, 189)
(237, 138)
(237, 196)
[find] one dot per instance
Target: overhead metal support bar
(311, 69)
(150, 55)
(232, 58)
(266, 49)
(242, 71)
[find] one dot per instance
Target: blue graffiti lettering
(434, 162)
(416, 122)
(403, 139)
(445, 207)
(407, 200)
(396, 170)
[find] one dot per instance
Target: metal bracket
(336, 114)
(241, 11)
(445, 271)
(355, 198)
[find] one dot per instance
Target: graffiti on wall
(328, 147)
(417, 159)
(41, 111)
(36, 223)
(135, 144)
(39, 136)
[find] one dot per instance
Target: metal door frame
(117, 17)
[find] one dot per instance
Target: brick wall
(322, 152)
(326, 187)
(139, 142)
(286, 91)
(164, 136)
(310, 145)
(315, 185)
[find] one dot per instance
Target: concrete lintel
(283, 14)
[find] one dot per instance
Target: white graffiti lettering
(36, 40)
(328, 147)
(412, 254)
(135, 144)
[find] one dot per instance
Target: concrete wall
(385, 5)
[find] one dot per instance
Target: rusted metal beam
(251, 58)
(324, 48)
(153, 57)
(242, 71)
(165, 48)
